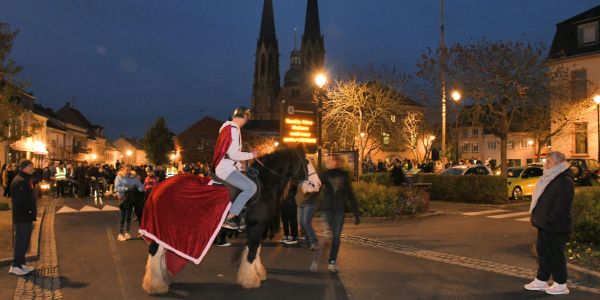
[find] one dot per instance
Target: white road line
(66, 210)
(484, 212)
(523, 220)
(509, 215)
(88, 208)
(118, 264)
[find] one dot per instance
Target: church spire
(267, 24)
(266, 68)
(312, 26)
(313, 46)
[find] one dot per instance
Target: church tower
(313, 46)
(266, 68)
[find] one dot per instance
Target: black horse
(272, 173)
(275, 171)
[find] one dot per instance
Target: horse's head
(289, 164)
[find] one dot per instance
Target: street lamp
(128, 152)
(276, 144)
(456, 95)
(320, 81)
(597, 101)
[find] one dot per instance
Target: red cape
(223, 143)
(184, 215)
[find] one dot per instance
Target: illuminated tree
(12, 125)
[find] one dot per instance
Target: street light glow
(276, 144)
(456, 95)
(129, 153)
(362, 134)
(530, 142)
(597, 99)
(320, 80)
(431, 138)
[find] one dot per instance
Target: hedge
(376, 200)
(379, 178)
(586, 215)
(466, 189)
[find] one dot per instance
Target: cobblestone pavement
(464, 261)
(44, 282)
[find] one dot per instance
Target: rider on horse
(227, 163)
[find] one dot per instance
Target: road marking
(484, 212)
(523, 220)
(88, 208)
(66, 210)
(504, 216)
(109, 208)
(118, 263)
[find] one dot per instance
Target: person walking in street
(289, 216)
(126, 185)
(337, 193)
(24, 213)
(550, 211)
(307, 205)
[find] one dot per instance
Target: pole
(443, 79)
(598, 128)
(320, 133)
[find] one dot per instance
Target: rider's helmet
(242, 112)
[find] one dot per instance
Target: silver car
(467, 170)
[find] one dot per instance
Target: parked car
(467, 170)
(522, 181)
(585, 170)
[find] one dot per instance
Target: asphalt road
(94, 265)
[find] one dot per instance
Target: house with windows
(576, 46)
(131, 151)
(473, 142)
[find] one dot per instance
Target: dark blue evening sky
(128, 61)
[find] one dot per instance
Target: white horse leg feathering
(156, 279)
(248, 276)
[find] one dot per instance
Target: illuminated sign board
(299, 125)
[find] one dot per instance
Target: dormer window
(588, 34)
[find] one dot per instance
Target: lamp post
(320, 80)
(443, 80)
(597, 101)
(456, 96)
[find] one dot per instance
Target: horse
(272, 173)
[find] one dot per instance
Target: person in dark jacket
(337, 194)
(289, 216)
(397, 174)
(551, 214)
(24, 212)
(81, 177)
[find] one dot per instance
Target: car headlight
(44, 186)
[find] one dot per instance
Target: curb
(585, 271)
(34, 243)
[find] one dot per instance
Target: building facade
(131, 151)
(576, 46)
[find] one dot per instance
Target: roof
(69, 114)
(566, 38)
(134, 142)
(202, 123)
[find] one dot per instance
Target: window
(295, 93)
(393, 118)
(588, 34)
(581, 141)
(475, 147)
(475, 132)
(510, 145)
(533, 172)
(465, 147)
(386, 138)
(578, 84)
(465, 133)
(514, 162)
(491, 145)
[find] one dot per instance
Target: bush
(4, 206)
(586, 215)
(466, 189)
(376, 200)
(379, 178)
